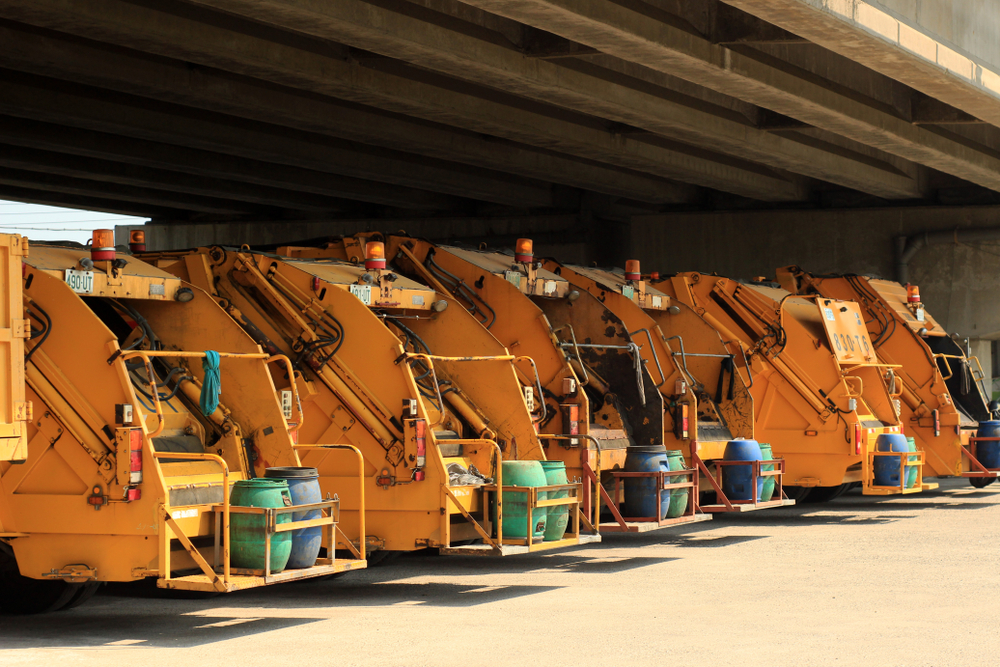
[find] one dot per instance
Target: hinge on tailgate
(23, 411)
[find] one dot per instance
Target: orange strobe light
(632, 270)
(102, 245)
(137, 240)
(524, 251)
(374, 255)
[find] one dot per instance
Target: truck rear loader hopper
(431, 400)
(126, 474)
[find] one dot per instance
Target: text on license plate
(80, 281)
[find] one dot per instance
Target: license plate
(363, 292)
(81, 282)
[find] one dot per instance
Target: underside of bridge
(745, 133)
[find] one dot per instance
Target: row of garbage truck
(223, 418)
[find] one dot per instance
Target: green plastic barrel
(515, 503)
(765, 450)
(557, 518)
(678, 497)
(247, 531)
(911, 471)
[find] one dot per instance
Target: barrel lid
(553, 464)
(651, 449)
(261, 483)
(674, 452)
(291, 472)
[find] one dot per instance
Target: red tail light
(420, 433)
(135, 451)
(857, 439)
(315, 283)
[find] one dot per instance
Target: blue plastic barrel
(303, 486)
(988, 452)
(887, 467)
(640, 492)
(737, 481)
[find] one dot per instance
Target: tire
(824, 494)
(798, 493)
(981, 482)
(22, 595)
(85, 592)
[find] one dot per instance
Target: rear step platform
(649, 526)
(239, 582)
(747, 507)
(516, 549)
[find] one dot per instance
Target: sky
(46, 223)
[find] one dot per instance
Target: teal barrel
(737, 481)
(767, 455)
(886, 468)
(303, 487)
(557, 518)
(678, 497)
(911, 471)
(641, 492)
(515, 503)
(247, 531)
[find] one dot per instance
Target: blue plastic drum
(887, 467)
(988, 452)
(303, 486)
(737, 481)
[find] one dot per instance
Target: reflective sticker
(513, 277)
(184, 514)
(628, 291)
(363, 292)
(920, 315)
(158, 290)
(550, 287)
(828, 312)
(418, 300)
(657, 302)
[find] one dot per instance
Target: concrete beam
(29, 159)
(155, 155)
(407, 92)
(547, 230)
(866, 33)
(140, 195)
(76, 106)
(50, 54)
(460, 50)
(655, 39)
(85, 203)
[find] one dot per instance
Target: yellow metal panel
(13, 330)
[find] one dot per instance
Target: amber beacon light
(102, 245)
(524, 251)
(374, 255)
(632, 270)
(137, 240)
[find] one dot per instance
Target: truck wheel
(21, 595)
(981, 482)
(824, 494)
(84, 593)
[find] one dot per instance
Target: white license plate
(80, 281)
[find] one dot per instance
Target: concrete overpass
(726, 136)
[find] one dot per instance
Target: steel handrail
(361, 490)
(194, 456)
